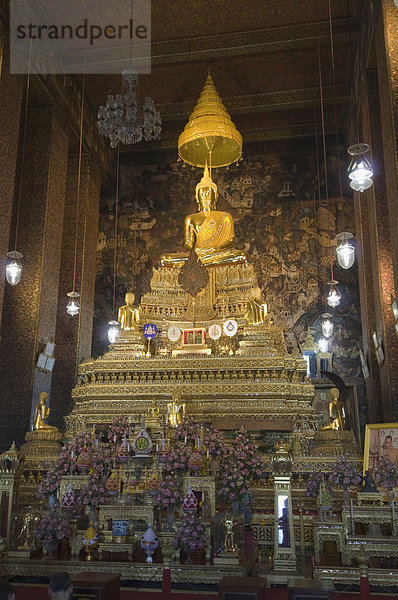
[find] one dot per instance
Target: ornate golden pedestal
(332, 443)
(41, 445)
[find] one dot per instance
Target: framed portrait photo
(381, 440)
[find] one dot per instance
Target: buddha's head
(129, 298)
(206, 193)
(43, 397)
(256, 292)
(334, 393)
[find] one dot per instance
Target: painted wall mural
(282, 221)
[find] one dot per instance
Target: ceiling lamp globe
(327, 325)
(113, 331)
(323, 345)
(14, 267)
(345, 250)
(361, 185)
(360, 170)
(73, 306)
(334, 296)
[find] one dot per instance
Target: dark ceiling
(264, 59)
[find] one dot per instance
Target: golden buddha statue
(336, 413)
(209, 232)
(256, 311)
(41, 414)
(129, 315)
(175, 410)
(152, 417)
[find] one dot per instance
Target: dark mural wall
(277, 196)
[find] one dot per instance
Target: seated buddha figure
(209, 232)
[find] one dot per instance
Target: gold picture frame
(375, 446)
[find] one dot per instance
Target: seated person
(7, 591)
(60, 587)
(209, 231)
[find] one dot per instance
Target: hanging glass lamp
(323, 345)
(113, 331)
(73, 306)
(345, 251)
(334, 296)
(14, 267)
(327, 325)
(360, 170)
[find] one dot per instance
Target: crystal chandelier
(327, 325)
(119, 119)
(359, 170)
(345, 250)
(14, 267)
(113, 331)
(334, 296)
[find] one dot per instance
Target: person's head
(387, 442)
(7, 591)
(60, 586)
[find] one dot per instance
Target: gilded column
(368, 319)
(11, 91)
(73, 337)
(30, 309)
(380, 267)
(386, 41)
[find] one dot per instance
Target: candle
(71, 455)
(114, 438)
(96, 442)
(207, 454)
(185, 439)
(120, 477)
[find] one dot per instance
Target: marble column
(30, 308)
(11, 92)
(74, 333)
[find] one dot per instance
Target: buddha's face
(129, 298)
(206, 199)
